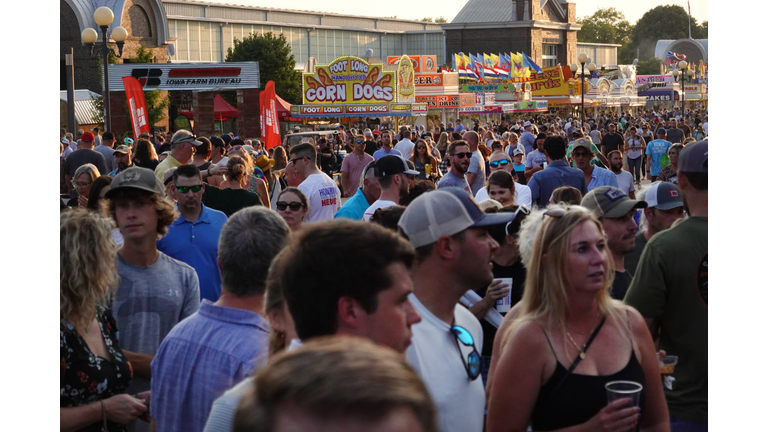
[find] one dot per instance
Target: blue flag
(527, 62)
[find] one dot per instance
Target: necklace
(581, 349)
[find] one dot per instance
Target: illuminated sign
(349, 80)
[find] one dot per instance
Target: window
(549, 57)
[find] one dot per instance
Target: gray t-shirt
(477, 166)
(109, 158)
(675, 135)
(149, 302)
(452, 180)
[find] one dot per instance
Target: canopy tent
(221, 109)
(284, 110)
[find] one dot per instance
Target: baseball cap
(664, 196)
(526, 124)
(87, 136)
(296, 128)
(216, 141)
(584, 142)
(226, 138)
(610, 202)
(516, 152)
(446, 211)
(661, 131)
(123, 149)
(128, 141)
(184, 136)
(391, 165)
(693, 157)
(136, 178)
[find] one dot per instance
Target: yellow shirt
(165, 165)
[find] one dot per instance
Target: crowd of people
(468, 279)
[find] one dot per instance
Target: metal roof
(485, 11)
(84, 107)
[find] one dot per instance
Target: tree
(662, 22)
(427, 19)
(276, 63)
(648, 67)
(441, 19)
(608, 25)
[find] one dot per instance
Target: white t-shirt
(405, 146)
(626, 182)
(434, 356)
(522, 195)
(379, 203)
(324, 197)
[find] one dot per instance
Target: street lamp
(104, 17)
(574, 67)
(683, 65)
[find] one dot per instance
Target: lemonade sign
(349, 80)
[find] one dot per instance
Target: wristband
(104, 414)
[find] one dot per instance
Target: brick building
(543, 29)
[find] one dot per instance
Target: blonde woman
(250, 182)
(94, 373)
(567, 318)
(233, 196)
(82, 182)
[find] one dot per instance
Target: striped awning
(85, 109)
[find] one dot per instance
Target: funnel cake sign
(349, 80)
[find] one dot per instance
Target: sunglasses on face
(498, 163)
(297, 159)
(463, 155)
(421, 147)
(472, 362)
(185, 189)
(294, 206)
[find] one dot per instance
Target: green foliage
(441, 19)
(606, 25)
(276, 63)
(98, 101)
(427, 19)
(648, 67)
(662, 22)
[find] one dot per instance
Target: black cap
(391, 165)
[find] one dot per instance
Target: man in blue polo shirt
(366, 195)
(594, 176)
(193, 237)
(556, 174)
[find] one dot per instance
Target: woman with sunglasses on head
(567, 339)
(82, 183)
(292, 206)
(421, 158)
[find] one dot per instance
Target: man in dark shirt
(674, 134)
(616, 212)
(556, 174)
(611, 141)
(370, 142)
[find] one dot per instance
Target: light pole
(574, 67)
(104, 17)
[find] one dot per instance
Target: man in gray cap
(665, 206)
(616, 211)
(392, 174)
(123, 159)
(454, 254)
(155, 291)
(183, 146)
(670, 290)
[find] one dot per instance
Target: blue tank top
(580, 397)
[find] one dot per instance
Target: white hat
(526, 124)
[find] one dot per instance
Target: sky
(408, 9)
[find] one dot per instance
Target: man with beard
(459, 155)
(392, 173)
(624, 178)
(193, 237)
(386, 146)
(123, 159)
(594, 176)
(616, 211)
(611, 141)
(556, 174)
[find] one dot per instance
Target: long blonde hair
(545, 297)
(87, 271)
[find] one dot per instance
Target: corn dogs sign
(349, 80)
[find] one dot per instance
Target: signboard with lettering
(187, 76)
(645, 79)
(406, 85)
(423, 63)
(349, 80)
(447, 101)
(551, 82)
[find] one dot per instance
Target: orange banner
(136, 105)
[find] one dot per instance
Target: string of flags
(492, 67)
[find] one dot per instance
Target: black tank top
(580, 397)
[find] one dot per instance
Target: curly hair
(166, 211)
(87, 273)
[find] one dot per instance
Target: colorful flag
(504, 65)
(477, 66)
(673, 58)
(529, 63)
(136, 105)
(468, 68)
(270, 130)
(489, 71)
(518, 70)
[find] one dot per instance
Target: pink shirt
(354, 165)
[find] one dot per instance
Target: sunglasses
(294, 206)
(472, 362)
(185, 189)
(496, 164)
(421, 147)
(360, 142)
(297, 159)
(467, 155)
(520, 209)
(556, 212)
(235, 148)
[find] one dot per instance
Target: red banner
(270, 130)
(136, 105)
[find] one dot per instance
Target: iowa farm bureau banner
(349, 80)
(136, 106)
(187, 76)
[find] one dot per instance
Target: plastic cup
(667, 364)
(624, 389)
(505, 303)
(428, 169)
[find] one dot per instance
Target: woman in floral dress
(94, 371)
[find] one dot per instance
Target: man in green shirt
(670, 291)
